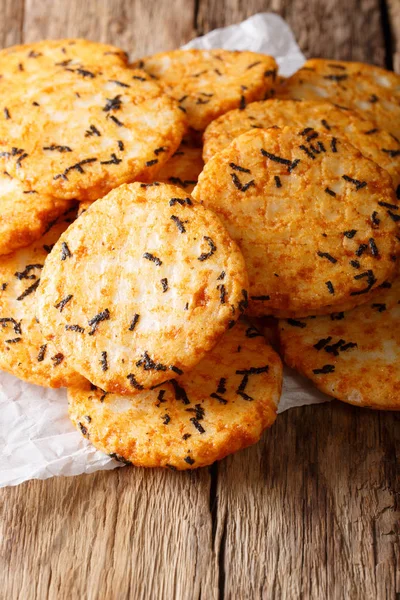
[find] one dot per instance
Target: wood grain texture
(393, 30)
(140, 27)
(313, 510)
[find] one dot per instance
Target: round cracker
(24, 352)
(152, 281)
(183, 168)
(79, 132)
(20, 63)
(352, 356)
(368, 89)
(316, 221)
(25, 214)
(222, 406)
(323, 117)
(208, 83)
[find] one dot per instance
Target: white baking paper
(37, 440)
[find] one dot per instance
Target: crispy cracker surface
(24, 352)
(140, 287)
(222, 406)
(352, 356)
(370, 90)
(25, 214)
(78, 132)
(316, 221)
(208, 83)
(323, 117)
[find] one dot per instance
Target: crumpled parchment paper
(37, 440)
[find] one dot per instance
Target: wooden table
(313, 510)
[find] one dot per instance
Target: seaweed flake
(114, 160)
(244, 303)
(236, 167)
(278, 182)
(16, 324)
(103, 361)
(334, 144)
(132, 380)
(359, 184)
(321, 343)
(330, 192)
(166, 419)
(307, 151)
(381, 307)
(178, 223)
(296, 323)
(374, 218)
(371, 280)
(120, 83)
(76, 328)
(60, 305)
(330, 287)
(221, 276)
(337, 316)
(65, 251)
(189, 460)
(148, 363)
(92, 131)
(57, 359)
(361, 249)
(42, 353)
(77, 167)
(25, 273)
(373, 247)
(324, 370)
(198, 425)
(61, 149)
(355, 264)
(115, 120)
(152, 258)
(180, 393)
(94, 322)
(181, 201)
(219, 398)
(325, 124)
(222, 293)
(32, 288)
(213, 248)
(164, 283)
(13, 341)
(176, 370)
(327, 256)
(350, 233)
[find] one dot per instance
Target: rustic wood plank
(313, 510)
(11, 22)
(138, 26)
(332, 28)
(128, 533)
(393, 13)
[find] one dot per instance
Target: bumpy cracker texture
(352, 356)
(25, 214)
(24, 352)
(79, 132)
(316, 222)
(374, 143)
(148, 281)
(370, 90)
(183, 168)
(21, 64)
(222, 406)
(208, 83)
